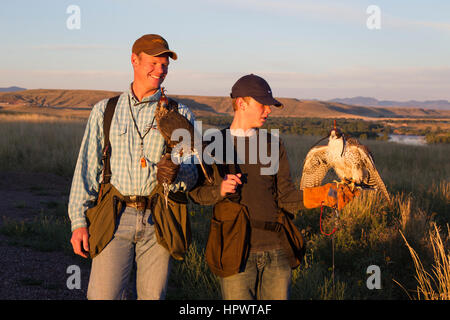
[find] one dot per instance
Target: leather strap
(106, 152)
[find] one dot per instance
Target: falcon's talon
(352, 185)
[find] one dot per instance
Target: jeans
(134, 241)
(267, 276)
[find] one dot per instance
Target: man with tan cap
(136, 164)
(266, 272)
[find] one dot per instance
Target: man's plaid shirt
(127, 174)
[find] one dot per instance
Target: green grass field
(418, 178)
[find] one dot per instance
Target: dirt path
(26, 273)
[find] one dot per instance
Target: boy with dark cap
(267, 271)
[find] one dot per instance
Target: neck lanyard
(143, 161)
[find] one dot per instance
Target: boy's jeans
(133, 241)
(267, 276)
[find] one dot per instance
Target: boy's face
(255, 113)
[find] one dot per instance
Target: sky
(305, 49)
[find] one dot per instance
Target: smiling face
(149, 71)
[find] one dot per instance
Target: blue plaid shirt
(127, 174)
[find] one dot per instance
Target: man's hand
(80, 241)
(229, 184)
(167, 170)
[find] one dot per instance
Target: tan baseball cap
(153, 45)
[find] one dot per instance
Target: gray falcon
(352, 162)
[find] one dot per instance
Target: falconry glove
(167, 170)
(329, 195)
(345, 195)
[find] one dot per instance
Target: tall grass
(369, 228)
(434, 285)
(37, 143)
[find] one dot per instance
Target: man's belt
(138, 202)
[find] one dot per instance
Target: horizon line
(225, 96)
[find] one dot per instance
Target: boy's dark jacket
(286, 200)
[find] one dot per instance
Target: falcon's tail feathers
(379, 185)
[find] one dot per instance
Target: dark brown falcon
(168, 119)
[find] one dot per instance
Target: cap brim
(268, 101)
(172, 54)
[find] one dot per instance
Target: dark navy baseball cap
(255, 87)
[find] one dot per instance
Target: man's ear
(134, 59)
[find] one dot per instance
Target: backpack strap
(106, 152)
(230, 168)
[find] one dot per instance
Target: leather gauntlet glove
(167, 171)
(329, 195)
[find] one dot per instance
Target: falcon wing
(315, 167)
(374, 179)
(174, 120)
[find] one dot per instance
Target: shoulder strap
(107, 117)
(230, 168)
(106, 153)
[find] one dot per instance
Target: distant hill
(56, 97)
(372, 102)
(11, 89)
(60, 102)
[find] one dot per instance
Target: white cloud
(74, 47)
(391, 21)
(335, 12)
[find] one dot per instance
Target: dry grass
(33, 118)
(39, 143)
(434, 285)
(417, 178)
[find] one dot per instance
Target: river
(408, 139)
